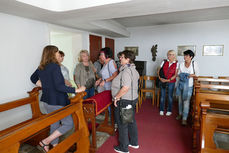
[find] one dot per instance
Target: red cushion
(102, 101)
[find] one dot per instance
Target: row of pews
(35, 129)
(210, 115)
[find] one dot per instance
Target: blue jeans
(170, 97)
(184, 104)
(90, 93)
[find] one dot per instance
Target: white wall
(22, 41)
(170, 36)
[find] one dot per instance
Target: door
(110, 43)
(95, 46)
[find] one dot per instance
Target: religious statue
(154, 52)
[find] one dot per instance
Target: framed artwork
(213, 50)
(133, 49)
(181, 49)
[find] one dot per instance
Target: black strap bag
(127, 110)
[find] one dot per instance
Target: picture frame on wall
(213, 50)
(181, 49)
(133, 49)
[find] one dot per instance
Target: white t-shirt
(184, 69)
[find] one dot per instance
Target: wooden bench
(33, 100)
(94, 106)
(204, 92)
(11, 139)
(212, 120)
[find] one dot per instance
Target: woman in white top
(190, 68)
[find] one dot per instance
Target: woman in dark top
(54, 93)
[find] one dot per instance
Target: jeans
(184, 104)
(170, 97)
(128, 133)
(90, 93)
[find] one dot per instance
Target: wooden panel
(95, 46)
(110, 43)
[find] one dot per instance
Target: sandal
(42, 148)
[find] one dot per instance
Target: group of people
(169, 70)
(104, 74)
(54, 79)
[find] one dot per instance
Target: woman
(64, 69)
(125, 92)
(54, 93)
(170, 70)
(108, 72)
(187, 71)
(85, 73)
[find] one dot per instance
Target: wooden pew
(92, 107)
(204, 92)
(10, 141)
(212, 121)
(33, 100)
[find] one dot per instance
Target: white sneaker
(161, 113)
(135, 147)
(168, 113)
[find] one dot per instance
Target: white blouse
(190, 70)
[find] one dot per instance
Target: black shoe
(117, 149)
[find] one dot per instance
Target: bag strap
(193, 67)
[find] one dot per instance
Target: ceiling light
(68, 5)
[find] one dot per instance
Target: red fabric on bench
(102, 101)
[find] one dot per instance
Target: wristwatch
(105, 80)
(115, 98)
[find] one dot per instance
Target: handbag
(162, 75)
(127, 113)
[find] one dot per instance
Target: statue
(154, 52)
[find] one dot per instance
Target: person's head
(119, 56)
(188, 55)
(84, 56)
(50, 55)
(127, 57)
(171, 54)
(61, 59)
(105, 53)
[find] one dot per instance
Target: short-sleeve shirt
(65, 72)
(189, 70)
(106, 72)
(128, 76)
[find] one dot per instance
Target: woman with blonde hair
(169, 69)
(54, 93)
(85, 73)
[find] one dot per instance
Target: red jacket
(169, 71)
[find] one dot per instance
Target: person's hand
(38, 83)
(97, 82)
(81, 89)
(163, 80)
(102, 83)
(67, 83)
(115, 103)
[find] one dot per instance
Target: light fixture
(68, 5)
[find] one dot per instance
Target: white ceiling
(114, 19)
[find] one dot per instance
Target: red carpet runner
(157, 134)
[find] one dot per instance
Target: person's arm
(35, 78)
(113, 69)
(77, 76)
(125, 81)
(121, 92)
